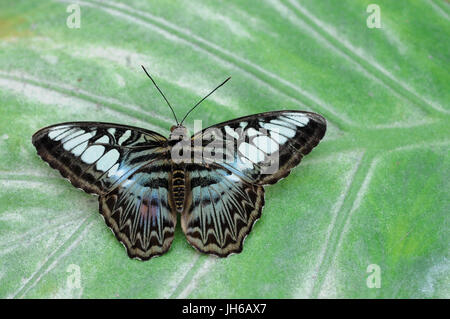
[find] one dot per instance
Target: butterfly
(214, 179)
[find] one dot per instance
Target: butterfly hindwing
(221, 209)
(97, 157)
(139, 213)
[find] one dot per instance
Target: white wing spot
(279, 129)
(108, 160)
(252, 132)
(112, 131)
(61, 136)
(72, 136)
(265, 144)
(124, 137)
(282, 123)
(74, 141)
(278, 138)
(113, 170)
(78, 140)
(55, 132)
(92, 154)
(103, 140)
(79, 149)
(251, 152)
(231, 132)
(300, 120)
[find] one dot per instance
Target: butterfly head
(178, 132)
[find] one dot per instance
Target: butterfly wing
(97, 157)
(221, 209)
(263, 148)
(238, 158)
(127, 167)
(139, 213)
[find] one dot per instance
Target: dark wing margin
(263, 148)
(139, 213)
(95, 156)
(221, 210)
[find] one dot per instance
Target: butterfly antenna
(161, 94)
(203, 100)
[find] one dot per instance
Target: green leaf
(374, 192)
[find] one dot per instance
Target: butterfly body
(215, 179)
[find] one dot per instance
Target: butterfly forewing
(97, 157)
(263, 148)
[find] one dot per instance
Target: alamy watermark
(73, 21)
(374, 279)
(74, 277)
(374, 19)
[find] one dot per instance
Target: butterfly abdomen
(178, 187)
